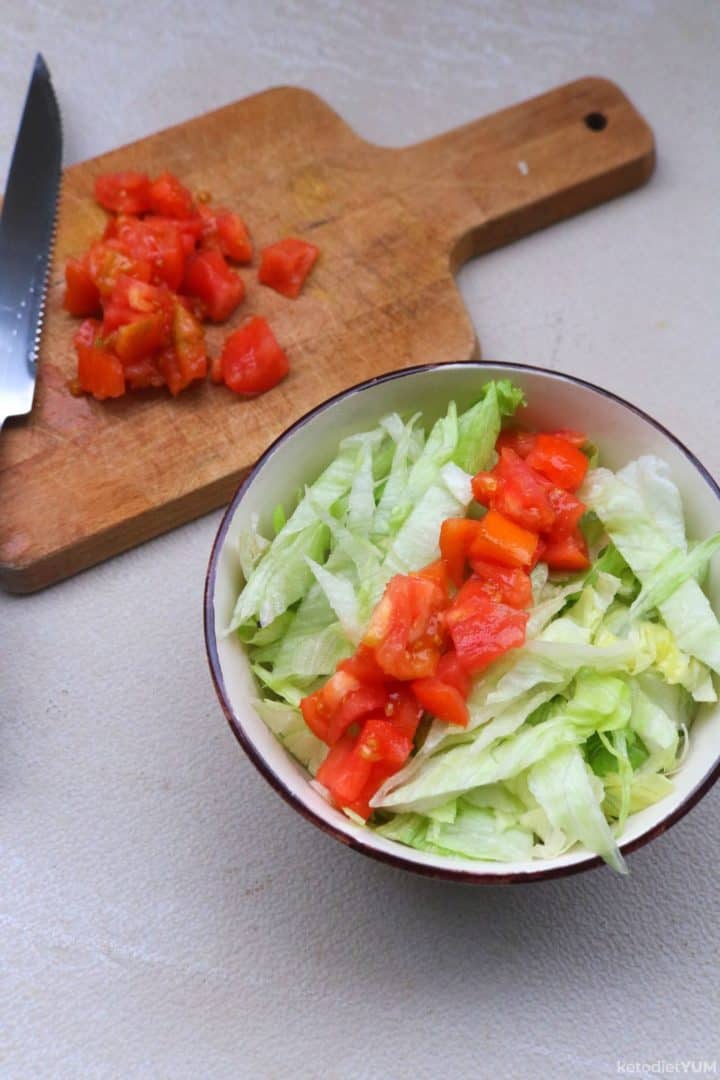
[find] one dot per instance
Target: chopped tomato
(252, 360)
(143, 373)
(485, 487)
(437, 572)
(403, 710)
(87, 332)
(168, 197)
(522, 442)
(285, 265)
(500, 540)
(451, 671)
(343, 772)
(557, 459)
(141, 337)
(567, 552)
(575, 437)
(363, 666)
(442, 700)
(232, 236)
(380, 740)
(154, 240)
(523, 494)
(189, 344)
(123, 192)
(131, 299)
(209, 278)
(99, 372)
(456, 536)
(482, 630)
(507, 584)
(82, 296)
(406, 629)
(318, 708)
(354, 706)
(107, 260)
(567, 509)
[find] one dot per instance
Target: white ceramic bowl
(621, 430)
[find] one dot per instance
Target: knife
(27, 227)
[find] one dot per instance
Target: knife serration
(27, 231)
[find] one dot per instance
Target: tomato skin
(508, 585)
(233, 238)
(557, 459)
(438, 573)
(123, 192)
(451, 671)
(380, 740)
(169, 198)
(444, 701)
(285, 265)
(209, 278)
(354, 706)
(567, 509)
(82, 296)
(99, 372)
(485, 487)
(456, 536)
(363, 666)
(343, 772)
(252, 360)
(498, 539)
(403, 710)
(406, 629)
(567, 552)
(485, 631)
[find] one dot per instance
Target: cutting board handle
(504, 176)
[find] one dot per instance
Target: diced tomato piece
(252, 360)
(451, 671)
(442, 700)
(485, 487)
(107, 260)
(157, 241)
(403, 710)
(343, 772)
(379, 773)
(189, 344)
(143, 373)
(132, 299)
(523, 494)
(168, 197)
(319, 707)
(82, 296)
(407, 629)
(557, 459)
(210, 279)
(522, 442)
(189, 229)
(456, 536)
(363, 666)
(123, 192)
(99, 372)
(87, 332)
(232, 236)
(486, 631)
(507, 584)
(437, 572)
(285, 265)
(380, 740)
(140, 338)
(500, 540)
(567, 552)
(567, 509)
(354, 706)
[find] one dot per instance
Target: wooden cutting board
(81, 480)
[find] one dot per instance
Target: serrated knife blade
(27, 227)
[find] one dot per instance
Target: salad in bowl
(479, 630)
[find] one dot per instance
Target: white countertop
(163, 912)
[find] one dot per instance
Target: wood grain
(82, 480)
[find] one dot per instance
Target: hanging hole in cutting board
(595, 121)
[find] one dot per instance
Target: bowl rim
(399, 860)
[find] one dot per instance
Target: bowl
(623, 432)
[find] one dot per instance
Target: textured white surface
(163, 913)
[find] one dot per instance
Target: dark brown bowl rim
(399, 860)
